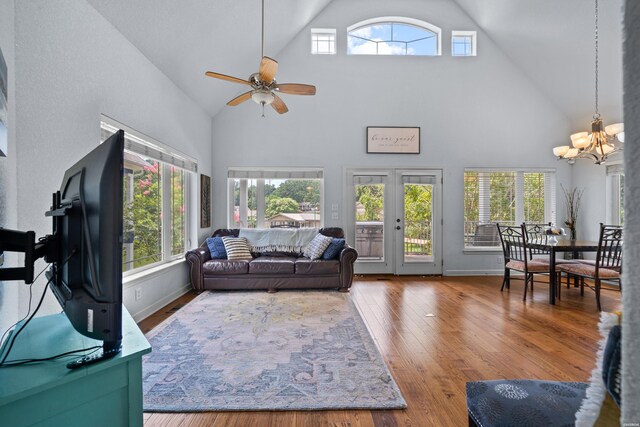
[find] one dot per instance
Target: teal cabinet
(107, 393)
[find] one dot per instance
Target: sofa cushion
(225, 266)
(334, 248)
(317, 246)
(271, 265)
(216, 248)
(236, 247)
(306, 266)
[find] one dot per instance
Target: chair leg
(581, 286)
(505, 280)
(558, 285)
(598, 294)
(528, 278)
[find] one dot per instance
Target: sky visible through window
(392, 39)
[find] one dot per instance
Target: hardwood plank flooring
(437, 333)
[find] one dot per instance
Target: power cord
(46, 286)
(19, 362)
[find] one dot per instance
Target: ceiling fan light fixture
(262, 96)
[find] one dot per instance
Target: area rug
(292, 350)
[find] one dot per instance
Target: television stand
(108, 392)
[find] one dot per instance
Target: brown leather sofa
(271, 271)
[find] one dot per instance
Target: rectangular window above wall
(275, 198)
(463, 43)
(323, 41)
(156, 199)
(505, 196)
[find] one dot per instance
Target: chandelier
(603, 141)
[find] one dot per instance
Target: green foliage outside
(418, 208)
(502, 198)
(142, 216)
(277, 205)
(371, 197)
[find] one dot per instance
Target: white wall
(473, 112)
(8, 190)
(71, 66)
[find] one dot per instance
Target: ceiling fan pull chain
(262, 108)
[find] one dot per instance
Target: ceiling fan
(263, 83)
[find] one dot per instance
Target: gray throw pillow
(317, 246)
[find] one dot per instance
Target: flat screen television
(85, 248)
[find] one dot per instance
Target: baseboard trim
(499, 272)
(149, 310)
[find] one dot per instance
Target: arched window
(393, 35)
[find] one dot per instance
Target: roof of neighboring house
(298, 217)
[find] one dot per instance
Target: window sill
(480, 251)
(133, 279)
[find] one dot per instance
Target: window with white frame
(156, 203)
(393, 36)
(505, 196)
(274, 198)
(463, 43)
(323, 41)
(615, 178)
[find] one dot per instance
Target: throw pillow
(317, 246)
(334, 248)
(216, 247)
(236, 247)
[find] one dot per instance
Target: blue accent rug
(293, 350)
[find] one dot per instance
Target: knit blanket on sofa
(278, 239)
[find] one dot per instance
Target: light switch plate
(334, 207)
(335, 216)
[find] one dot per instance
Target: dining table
(561, 246)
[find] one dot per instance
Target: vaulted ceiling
(550, 41)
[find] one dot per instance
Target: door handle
(398, 227)
(398, 220)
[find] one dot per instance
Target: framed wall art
(205, 201)
(393, 140)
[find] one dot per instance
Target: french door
(394, 219)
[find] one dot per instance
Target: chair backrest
(609, 248)
(486, 235)
(536, 233)
(514, 243)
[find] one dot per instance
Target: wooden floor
(437, 333)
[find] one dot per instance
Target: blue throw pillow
(216, 247)
(333, 251)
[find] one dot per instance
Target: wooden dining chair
(608, 264)
(517, 257)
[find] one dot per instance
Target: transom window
(508, 197)
(463, 43)
(394, 36)
(270, 198)
(323, 41)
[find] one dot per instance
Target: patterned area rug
(293, 350)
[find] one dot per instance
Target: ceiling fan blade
(279, 105)
(296, 89)
(240, 99)
(227, 78)
(268, 69)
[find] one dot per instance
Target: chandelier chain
(596, 68)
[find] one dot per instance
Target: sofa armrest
(196, 258)
(347, 258)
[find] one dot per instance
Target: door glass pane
(369, 209)
(418, 224)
